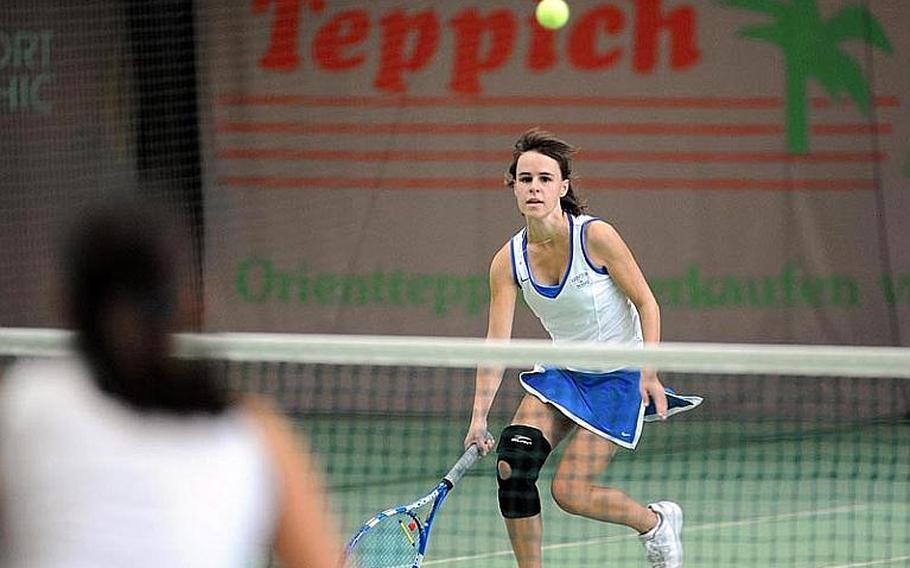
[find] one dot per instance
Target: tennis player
(580, 279)
(124, 456)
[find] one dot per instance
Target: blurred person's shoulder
(41, 385)
(45, 372)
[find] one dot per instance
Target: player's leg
(575, 491)
(574, 486)
(523, 448)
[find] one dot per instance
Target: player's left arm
(606, 248)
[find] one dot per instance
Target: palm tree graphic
(811, 48)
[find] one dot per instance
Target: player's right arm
(306, 533)
(503, 293)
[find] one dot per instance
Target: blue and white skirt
(607, 404)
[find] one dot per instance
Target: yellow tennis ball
(552, 14)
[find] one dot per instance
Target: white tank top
(586, 305)
(85, 481)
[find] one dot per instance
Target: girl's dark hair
(128, 253)
(543, 142)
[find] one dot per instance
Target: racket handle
(464, 463)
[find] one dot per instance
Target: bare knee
(570, 494)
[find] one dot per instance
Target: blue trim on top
(584, 248)
(512, 258)
(551, 291)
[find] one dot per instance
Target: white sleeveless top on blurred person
(586, 304)
(86, 481)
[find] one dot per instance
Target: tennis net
(797, 457)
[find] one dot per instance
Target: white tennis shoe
(663, 546)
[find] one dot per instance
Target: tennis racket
(398, 537)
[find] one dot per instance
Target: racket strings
(392, 543)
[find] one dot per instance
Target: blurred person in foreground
(124, 455)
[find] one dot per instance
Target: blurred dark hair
(126, 255)
(546, 143)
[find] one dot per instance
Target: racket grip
(464, 463)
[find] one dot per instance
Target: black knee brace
(524, 450)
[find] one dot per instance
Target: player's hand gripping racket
(398, 537)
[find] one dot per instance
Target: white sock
(650, 533)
